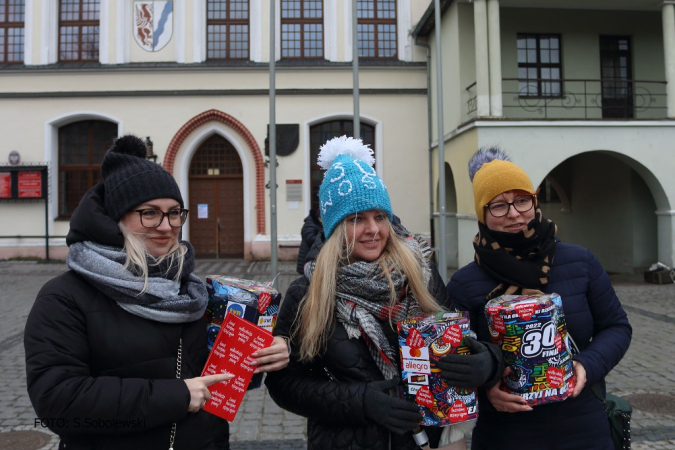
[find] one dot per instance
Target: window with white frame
(12, 13)
(227, 29)
(79, 30)
(376, 28)
(302, 29)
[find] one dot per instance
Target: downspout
(427, 48)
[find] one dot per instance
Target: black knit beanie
(131, 180)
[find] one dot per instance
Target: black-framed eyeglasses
(152, 218)
(521, 204)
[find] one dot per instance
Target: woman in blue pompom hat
(369, 273)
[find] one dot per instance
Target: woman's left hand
(274, 357)
(580, 373)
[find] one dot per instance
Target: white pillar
(482, 60)
(668, 14)
(495, 58)
(665, 226)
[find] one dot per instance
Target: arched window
(81, 149)
(376, 28)
(322, 132)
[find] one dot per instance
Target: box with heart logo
(423, 340)
(250, 300)
(532, 334)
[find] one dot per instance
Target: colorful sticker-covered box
(423, 340)
(532, 334)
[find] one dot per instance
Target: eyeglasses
(152, 218)
(520, 204)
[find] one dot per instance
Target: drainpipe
(441, 247)
(427, 48)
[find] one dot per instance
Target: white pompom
(344, 145)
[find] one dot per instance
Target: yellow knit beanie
(494, 178)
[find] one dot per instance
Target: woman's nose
(164, 225)
(512, 211)
(371, 226)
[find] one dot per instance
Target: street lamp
(150, 155)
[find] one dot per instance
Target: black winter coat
(311, 228)
(334, 407)
(592, 311)
(104, 378)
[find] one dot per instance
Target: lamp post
(149, 145)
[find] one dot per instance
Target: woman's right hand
(199, 389)
(505, 402)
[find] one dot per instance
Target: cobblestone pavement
(646, 369)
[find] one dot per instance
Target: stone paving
(646, 369)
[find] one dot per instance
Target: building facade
(581, 94)
(192, 77)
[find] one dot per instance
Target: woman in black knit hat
(115, 346)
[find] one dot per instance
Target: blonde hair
(317, 307)
(137, 256)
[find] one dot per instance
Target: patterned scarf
(166, 300)
(362, 304)
(520, 261)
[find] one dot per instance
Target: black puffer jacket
(104, 378)
(311, 228)
(334, 407)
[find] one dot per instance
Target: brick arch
(219, 116)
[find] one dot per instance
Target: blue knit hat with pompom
(350, 184)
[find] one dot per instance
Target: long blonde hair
(137, 255)
(317, 307)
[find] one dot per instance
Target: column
(482, 59)
(668, 14)
(665, 226)
(495, 58)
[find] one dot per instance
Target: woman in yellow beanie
(517, 252)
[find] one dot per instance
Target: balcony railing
(578, 99)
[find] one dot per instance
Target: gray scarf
(166, 300)
(362, 303)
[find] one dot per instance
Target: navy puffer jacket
(598, 324)
(330, 390)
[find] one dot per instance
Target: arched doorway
(601, 201)
(216, 184)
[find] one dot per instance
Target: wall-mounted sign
(30, 184)
(23, 182)
(5, 185)
(153, 24)
(293, 190)
(14, 158)
(203, 211)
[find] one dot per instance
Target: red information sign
(5, 185)
(30, 184)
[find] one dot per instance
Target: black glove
(472, 370)
(399, 416)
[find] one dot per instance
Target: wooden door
(616, 73)
(217, 200)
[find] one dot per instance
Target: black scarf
(520, 261)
